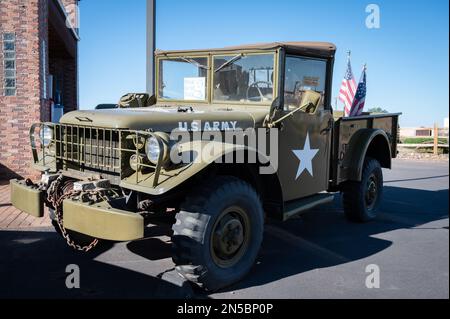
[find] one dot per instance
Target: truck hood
(166, 119)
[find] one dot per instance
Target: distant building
(416, 132)
(446, 124)
(38, 54)
(422, 132)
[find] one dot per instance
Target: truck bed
(346, 127)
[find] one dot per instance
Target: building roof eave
(62, 8)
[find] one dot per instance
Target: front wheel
(361, 199)
(218, 233)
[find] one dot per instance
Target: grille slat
(87, 148)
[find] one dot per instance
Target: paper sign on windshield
(194, 89)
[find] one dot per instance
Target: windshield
(183, 78)
(244, 78)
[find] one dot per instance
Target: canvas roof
(323, 49)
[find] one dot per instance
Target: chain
(57, 199)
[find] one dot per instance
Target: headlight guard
(45, 135)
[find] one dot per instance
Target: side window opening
(304, 83)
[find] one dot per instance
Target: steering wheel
(257, 86)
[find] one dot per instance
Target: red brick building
(38, 54)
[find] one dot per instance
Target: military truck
(107, 173)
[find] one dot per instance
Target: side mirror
(273, 107)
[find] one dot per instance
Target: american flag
(348, 88)
(360, 96)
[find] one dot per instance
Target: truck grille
(88, 148)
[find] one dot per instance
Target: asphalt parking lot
(319, 255)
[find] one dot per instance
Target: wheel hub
(229, 237)
(372, 191)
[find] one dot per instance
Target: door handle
(328, 128)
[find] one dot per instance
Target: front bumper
(26, 198)
(102, 222)
(97, 220)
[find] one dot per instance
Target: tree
(377, 110)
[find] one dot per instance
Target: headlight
(46, 135)
(156, 147)
(153, 149)
(136, 161)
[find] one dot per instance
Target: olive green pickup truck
(232, 138)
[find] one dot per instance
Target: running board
(299, 206)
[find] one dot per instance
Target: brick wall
(69, 2)
(71, 69)
(68, 68)
(63, 66)
(26, 19)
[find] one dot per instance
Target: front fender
(357, 150)
(203, 154)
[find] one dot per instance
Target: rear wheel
(218, 233)
(362, 199)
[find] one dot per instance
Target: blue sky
(407, 57)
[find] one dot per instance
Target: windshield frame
(210, 75)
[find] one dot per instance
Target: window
(8, 45)
(9, 37)
(9, 64)
(244, 78)
(302, 75)
(183, 78)
(9, 55)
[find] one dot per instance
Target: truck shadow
(153, 247)
(323, 237)
(33, 263)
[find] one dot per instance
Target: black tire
(362, 199)
(198, 244)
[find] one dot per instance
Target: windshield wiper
(234, 59)
(193, 62)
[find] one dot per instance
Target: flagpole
(349, 53)
(347, 90)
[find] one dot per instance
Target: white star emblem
(305, 156)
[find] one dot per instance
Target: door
(305, 137)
